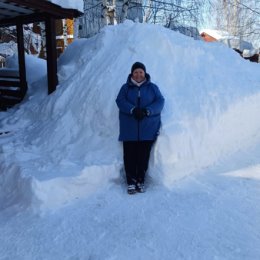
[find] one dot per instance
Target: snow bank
(251, 172)
(69, 138)
(57, 192)
(14, 189)
(204, 141)
(36, 68)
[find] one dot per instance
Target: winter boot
(131, 189)
(140, 187)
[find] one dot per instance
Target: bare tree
(108, 12)
(9, 35)
(240, 18)
(173, 13)
(125, 7)
(170, 13)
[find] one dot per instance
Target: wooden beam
(30, 18)
(51, 54)
(25, 19)
(21, 56)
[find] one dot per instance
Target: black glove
(140, 113)
(146, 112)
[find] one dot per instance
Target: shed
(20, 12)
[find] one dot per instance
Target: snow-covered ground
(62, 190)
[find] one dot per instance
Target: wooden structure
(20, 12)
(64, 29)
(11, 90)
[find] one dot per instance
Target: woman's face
(138, 75)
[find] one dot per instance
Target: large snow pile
(64, 146)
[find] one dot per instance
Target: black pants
(136, 160)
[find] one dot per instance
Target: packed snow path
(210, 217)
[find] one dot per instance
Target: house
(18, 13)
(64, 35)
(244, 48)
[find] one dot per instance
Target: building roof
(32, 11)
(232, 41)
(217, 34)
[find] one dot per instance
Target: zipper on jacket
(138, 122)
(139, 94)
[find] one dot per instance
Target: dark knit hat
(138, 65)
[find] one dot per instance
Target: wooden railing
(12, 90)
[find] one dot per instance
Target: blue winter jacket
(151, 99)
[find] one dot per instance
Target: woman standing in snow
(140, 103)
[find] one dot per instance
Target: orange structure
(64, 34)
(207, 38)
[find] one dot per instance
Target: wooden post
(21, 56)
(51, 54)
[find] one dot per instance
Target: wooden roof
(30, 11)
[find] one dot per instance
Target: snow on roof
(232, 41)
(217, 34)
(74, 4)
(249, 53)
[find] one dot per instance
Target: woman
(140, 103)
